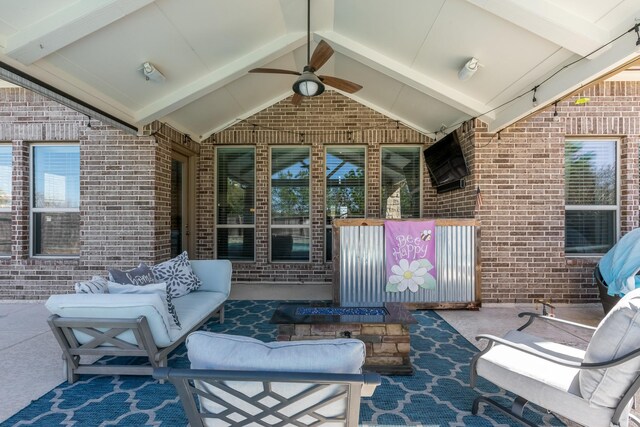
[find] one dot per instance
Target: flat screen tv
(446, 163)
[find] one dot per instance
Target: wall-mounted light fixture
(152, 73)
(469, 69)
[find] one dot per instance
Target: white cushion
(547, 384)
(208, 350)
(193, 308)
(153, 288)
(115, 306)
(617, 335)
(97, 285)
(215, 275)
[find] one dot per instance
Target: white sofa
(134, 324)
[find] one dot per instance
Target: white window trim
(615, 207)
(8, 209)
(33, 210)
(215, 202)
(284, 226)
(421, 179)
(324, 202)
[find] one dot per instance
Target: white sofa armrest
(115, 306)
(214, 274)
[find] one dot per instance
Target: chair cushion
(617, 335)
(193, 308)
(208, 350)
(153, 288)
(547, 384)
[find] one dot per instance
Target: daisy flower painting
(410, 256)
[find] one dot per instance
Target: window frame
(33, 210)
(281, 226)
(324, 202)
(216, 196)
(616, 207)
(420, 149)
(8, 209)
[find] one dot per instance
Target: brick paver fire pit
(384, 330)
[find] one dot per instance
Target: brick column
(20, 200)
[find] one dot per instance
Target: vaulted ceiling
(406, 54)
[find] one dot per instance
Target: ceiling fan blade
(274, 71)
(342, 84)
(321, 55)
(296, 99)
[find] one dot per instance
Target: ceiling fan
(308, 84)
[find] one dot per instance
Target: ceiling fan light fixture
(308, 84)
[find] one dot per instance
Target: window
(290, 225)
(235, 227)
(401, 185)
(55, 213)
(591, 196)
(5, 199)
(345, 187)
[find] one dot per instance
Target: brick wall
(117, 196)
(125, 189)
(521, 177)
(329, 119)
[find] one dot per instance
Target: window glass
(56, 200)
(590, 196)
(235, 203)
(401, 178)
(56, 233)
(345, 187)
(5, 199)
(590, 173)
(56, 176)
(290, 204)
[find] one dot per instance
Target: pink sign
(411, 255)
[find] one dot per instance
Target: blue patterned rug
(438, 394)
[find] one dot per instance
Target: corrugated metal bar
(363, 274)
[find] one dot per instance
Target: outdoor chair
(242, 381)
(593, 387)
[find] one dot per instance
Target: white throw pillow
(154, 288)
(97, 285)
(617, 335)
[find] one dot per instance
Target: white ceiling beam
(220, 77)
(69, 25)
(568, 81)
(404, 74)
(551, 22)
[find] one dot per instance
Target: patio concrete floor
(32, 364)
